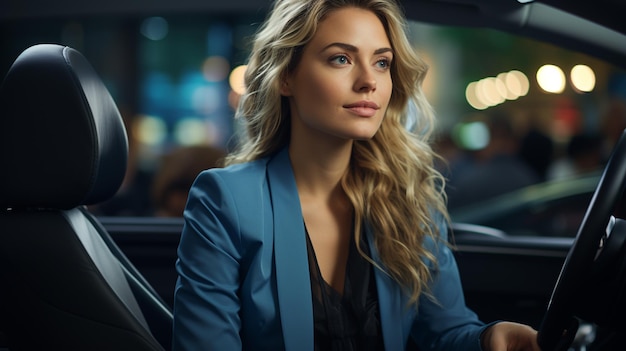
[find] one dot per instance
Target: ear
(285, 88)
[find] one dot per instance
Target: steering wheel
(559, 325)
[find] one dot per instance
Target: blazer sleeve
(206, 303)
(443, 320)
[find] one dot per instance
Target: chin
(364, 137)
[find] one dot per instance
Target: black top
(351, 321)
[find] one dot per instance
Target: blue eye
(383, 63)
(340, 60)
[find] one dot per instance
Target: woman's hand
(509, 336)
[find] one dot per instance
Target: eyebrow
(353, 48)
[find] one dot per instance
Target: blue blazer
(244, 276)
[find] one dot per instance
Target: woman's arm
(206, 304)
(446, 323)
(443, 320)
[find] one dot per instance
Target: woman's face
(342, 85)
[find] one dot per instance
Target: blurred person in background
(175, 174)
(537, 150)
(493, 170)
(584, 154)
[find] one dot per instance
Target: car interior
(66, 284)
(75, 280)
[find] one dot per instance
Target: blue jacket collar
(294, 286)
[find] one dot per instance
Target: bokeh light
(471, 135)
(583, 78)
(492, 91)
(517, 83)
(215, 68)
(551, 79)
(154, 28)
(150, 130)
(236, 80)
(190, 131)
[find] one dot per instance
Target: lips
(363, 108)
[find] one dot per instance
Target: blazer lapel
(292, 268)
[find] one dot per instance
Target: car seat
(64, 283)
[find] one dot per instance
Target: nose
(365, 80)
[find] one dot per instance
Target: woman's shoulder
(251, 171)
(255, 167)
(236, 177)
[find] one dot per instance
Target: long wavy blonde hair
(392, 182)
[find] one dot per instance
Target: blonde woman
(327, 230)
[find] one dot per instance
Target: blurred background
(177, 77)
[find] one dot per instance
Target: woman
(327, 231)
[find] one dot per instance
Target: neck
(319, 167)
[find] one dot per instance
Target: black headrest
(62, 139)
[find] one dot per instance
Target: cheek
(387, 88)
(319, 92)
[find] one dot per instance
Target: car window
(514, 113)
(526, 127)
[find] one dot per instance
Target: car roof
(590, 27)
(546, 20)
